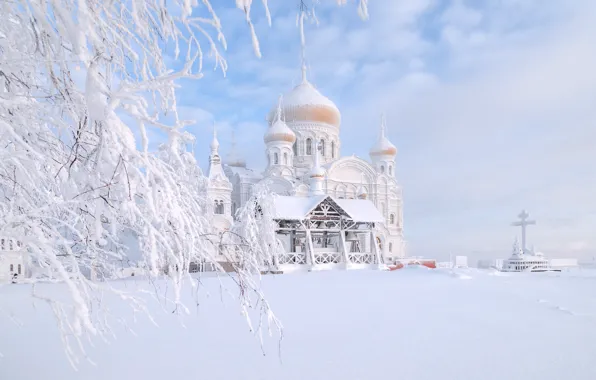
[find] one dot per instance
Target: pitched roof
(361, 210)
(297, 208)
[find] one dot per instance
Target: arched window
(383, 210)
(2, 244)
(332, 149)
(286, 159)
(11, 268)
(295, 148)
(390, 170)
(275, 159)
(309, 146)
(390, 247)
(234, 208)
(19, 269)
(10, 246)
(391, 219)
(219, 207)
(383, 169)
(322, 144)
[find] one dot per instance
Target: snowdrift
(337, 325)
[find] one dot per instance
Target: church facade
(304, 159)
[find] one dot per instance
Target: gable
(327, 209)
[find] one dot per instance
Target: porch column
(276, 254)
(342, 239)
(376, 247)
(344, 248)
(310, 256)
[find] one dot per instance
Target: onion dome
(362, 193)
(383, 147)
(317, 172)
(279, 131)
(306, 104)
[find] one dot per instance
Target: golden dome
(279, 131)
(385, 151)
(306, 104)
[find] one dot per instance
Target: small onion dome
(306, 104)
(317, 172)
(279, 131)
(383, 147)
(362, 193)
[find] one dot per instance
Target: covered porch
(320, 233)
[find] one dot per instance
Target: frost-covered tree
(82, 86)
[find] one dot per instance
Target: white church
(330, 209)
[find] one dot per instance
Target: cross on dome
(304, 103)
(303, 9)
(279, 110)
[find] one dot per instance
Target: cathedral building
(305, 167)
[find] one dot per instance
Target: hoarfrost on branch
(83, 85)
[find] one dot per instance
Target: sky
(490, 104)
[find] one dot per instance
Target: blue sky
(490, 103)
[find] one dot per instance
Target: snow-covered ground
(408, 324)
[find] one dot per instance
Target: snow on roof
(361, 210)
(296, 208)
(383, 147)
(279, 131)
(306, 94)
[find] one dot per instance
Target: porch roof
(298, 208)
